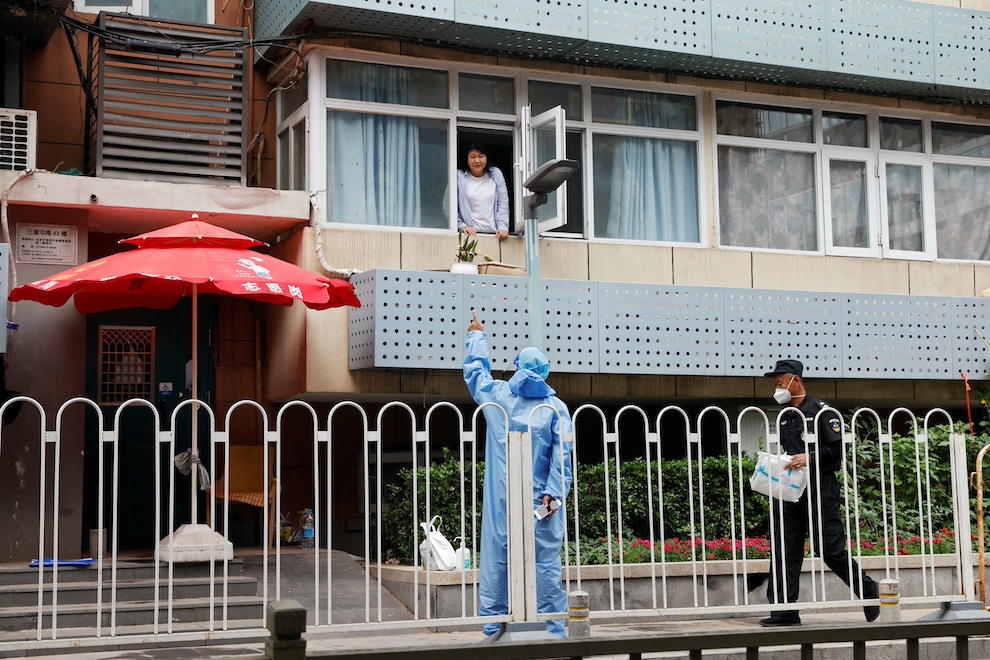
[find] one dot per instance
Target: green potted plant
(467, 250)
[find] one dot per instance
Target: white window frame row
(136, 8)
(312, 117)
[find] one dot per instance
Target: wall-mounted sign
(46, 244)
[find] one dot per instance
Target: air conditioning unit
(18, 139)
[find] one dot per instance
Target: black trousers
(792, 528)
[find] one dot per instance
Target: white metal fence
(673, 544)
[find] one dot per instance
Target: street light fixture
(546, 179)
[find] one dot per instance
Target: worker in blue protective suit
(519, 397)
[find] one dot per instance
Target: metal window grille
(126, 363)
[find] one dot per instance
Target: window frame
(495, 121)
(137, 8)
(705, 137)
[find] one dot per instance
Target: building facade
(756, 182)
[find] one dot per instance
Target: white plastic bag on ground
(435, 549)
(773, 479)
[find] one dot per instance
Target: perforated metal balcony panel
(661, 329)
(654, 34)
(502, 307)
(789, 33)
(539, 28)
(571, 325)
(408, 319)
(969, 354)
(894, 337)
(881, 39)
(962, 45)
(425, 19)
(764, 326)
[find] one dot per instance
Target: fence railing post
(286, 621)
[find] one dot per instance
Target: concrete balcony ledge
(125, 206)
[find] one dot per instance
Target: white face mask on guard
(782, 395)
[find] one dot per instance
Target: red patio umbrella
(187, 258)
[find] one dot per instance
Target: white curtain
(374, 167)
(646, 189)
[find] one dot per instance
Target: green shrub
(677, 503)
(446, 477)
(936, 501)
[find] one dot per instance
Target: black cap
(786, 367)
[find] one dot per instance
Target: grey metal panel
(423, 20)
(361, 349)
(412, 319)
(517, 41)
(682, 26)
(897, 337)
(571, 325)
(873, 46)
(763, 326)
(962, 39)
(771, 32)
(647, 329)
(503, 309)
(418, 320)
(969, 354)
(881, 38)
(273, 17)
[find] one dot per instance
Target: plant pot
(464, 267)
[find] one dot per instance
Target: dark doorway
(499, 146)
(143, 353)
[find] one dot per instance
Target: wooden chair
(247, 485)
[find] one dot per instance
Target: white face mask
(782, 395)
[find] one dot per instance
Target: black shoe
(871, 612)
(781, 620)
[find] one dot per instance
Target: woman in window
(482, 196)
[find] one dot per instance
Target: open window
(498, 148)
(544, 139)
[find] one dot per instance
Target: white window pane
(900, 134)
(191, 11)
(767, 198)
(299, 156)
(645, 189)
(844, 129)
(292, 99)
(546, 95)
(759, 121)
(479, 93)
(905, 207)
(635, 108)
(380, 83)
(962, 203)
(961, 140)
(284, 160)
(386, 170)
(850, 220)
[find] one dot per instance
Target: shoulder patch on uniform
(835, 424)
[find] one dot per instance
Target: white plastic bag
(435, 549)
(773, 479)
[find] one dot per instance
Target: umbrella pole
(195, 396)
(195, 542)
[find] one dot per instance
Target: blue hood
(528, 384)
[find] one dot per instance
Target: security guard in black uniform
(791, 518)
